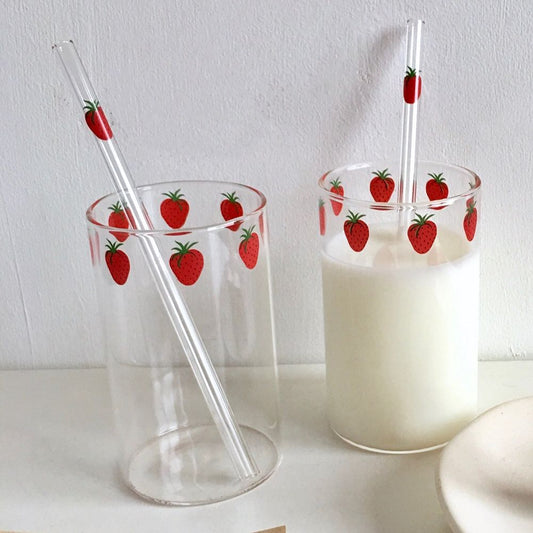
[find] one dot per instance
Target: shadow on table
(67, 451)
(397, 492)
(403, 496)
(303, 411)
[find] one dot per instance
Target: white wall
(269, 93)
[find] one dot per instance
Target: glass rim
(89, 213)
(394, 206)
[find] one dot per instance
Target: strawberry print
(186, 263)
(436, 188)
(322, 216)
(231, 208)
(356, 231)
(118, 219)
(470, 220)
(117, 262)
(422, 233)
(96, 120)
(174, 209)
(382, 186)
(336, 188)
(249, 247)
(412, 86)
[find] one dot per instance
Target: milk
(401, 339)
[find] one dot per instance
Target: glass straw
(412, 88)
(176, 307)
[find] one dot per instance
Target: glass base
(394, 452)
(191, 466)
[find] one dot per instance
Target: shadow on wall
(348, 122)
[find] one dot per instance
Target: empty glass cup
(213, 235)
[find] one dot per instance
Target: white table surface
(58, 473)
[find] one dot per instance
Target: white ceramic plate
(485, 476)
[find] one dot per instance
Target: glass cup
(213, 235)
(400, 295)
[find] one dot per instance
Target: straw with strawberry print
(96, 120)
(412, 86)
(177, 310)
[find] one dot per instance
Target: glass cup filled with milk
(401, 296)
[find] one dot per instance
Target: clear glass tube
(176, 308)
(412, 90)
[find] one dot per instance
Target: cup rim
(385, 206)
(89, 214)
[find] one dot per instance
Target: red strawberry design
(249, 247)
(356, 231)
(96, 120)
(436, 189)
(382, 186)
(117, 262)
(186, 263)
(336, 188)
(322, 216)
(174, 209)
(231, 208)
(412, 86)
(118, 219)
(422, 233)
(470, 220)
